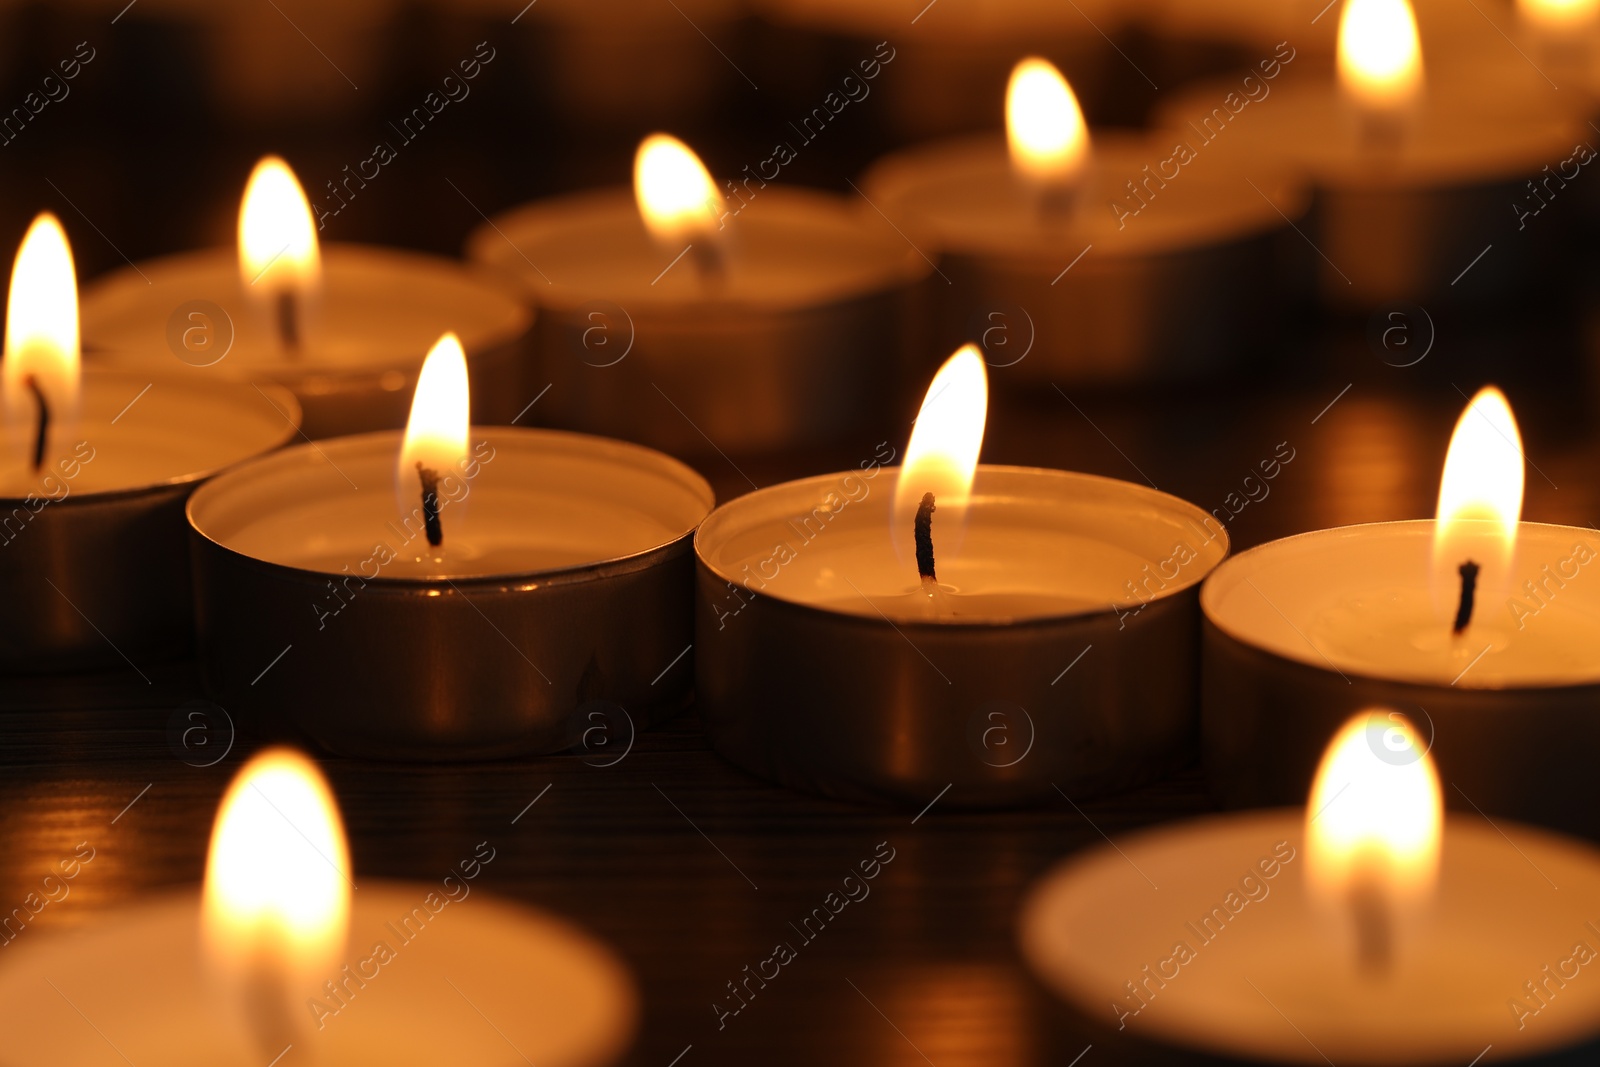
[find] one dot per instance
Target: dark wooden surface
(693, 869)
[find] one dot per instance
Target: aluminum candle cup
(1402, 221)
(799, 342)
(357, 366)
(94, 557)
(1232, 957)
(563, 582)
(1065, 653)
(1163, 290)
(1304, 632)
(555, 993)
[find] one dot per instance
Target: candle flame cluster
(1380, 54)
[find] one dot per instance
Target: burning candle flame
(1558, 14)
(276, 902)
(677, 198)
(1374, 822)
(277, 236)
(440, 425)
(42, 334)
(1480, 497)
(1380, 56)
(1044, 125)
(943, 452)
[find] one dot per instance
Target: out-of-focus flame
(1380, 55)
(943, 452)
(278, 250)
(1044, 125)
(276, 903)
(1559, 14)
(42, 332)
(1480, 497)
(1375, 817)
(677, 198)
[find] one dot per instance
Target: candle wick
(430, 504)
(709, 263)
(266, 1005)
(289, 320)
(44, 420)
(1374, 928)
(1469, 590)
(1055, 202)
(923, 529)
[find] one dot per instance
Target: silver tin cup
(846, 702)
(94, 559)
(470, 667)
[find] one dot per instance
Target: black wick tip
(288, 319)
(1469, 590)
(430, 505)
(924, 535)
(44, 420)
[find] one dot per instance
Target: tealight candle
(478, 585)
(1363, 929)
(1411, 185)
(1002, 628)
(279, 955)
(338, 326)
(93, 477)
(693, 323)
(1094, 262)
(1482, 622)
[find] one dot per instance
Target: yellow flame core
(1380, 55)
(1375, 816)
(440, 425)
(1558, 14)
(1480, 493)
(277, 236)
(943, 452)
(677, 198)
(1044, 126)
(42, 327)
(277, 888)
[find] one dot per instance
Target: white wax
(541, 501)
(1037, 544)
(1274, 978)
(379, 309)
(1360, 600)
(478, 981)
(784, 249)
(136, 431)
(964, 196)
(1309, 124)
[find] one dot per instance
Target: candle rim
(386, 444)
(709, 529)
(1216, 587)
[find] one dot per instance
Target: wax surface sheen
(965, 197)
(1275, 977)
(186, 424)
(1358, 599)
(378, 308)
(556, 995)
(1036, 544)
(540, 501)
(782, 249)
